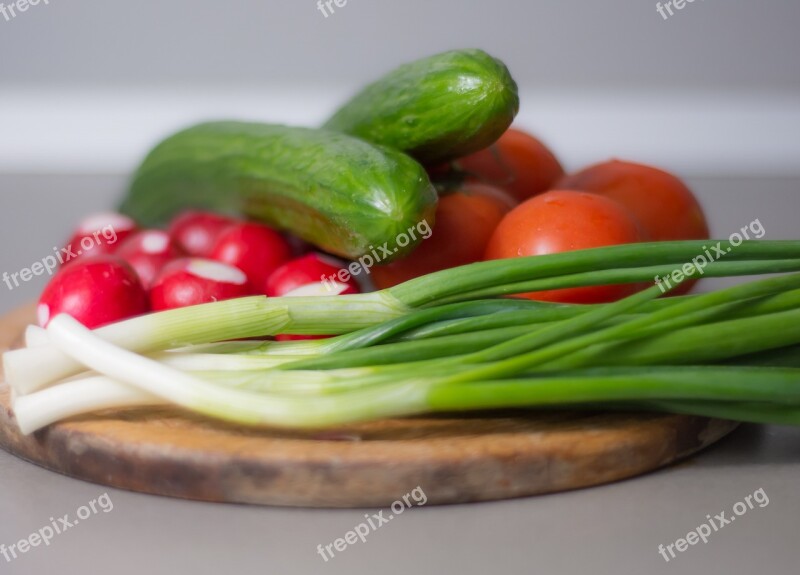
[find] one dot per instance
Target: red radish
(98, 291)
(192, 281)
(315, 289)
(196, 231)
(98, 234)
(253, 248)
(147, 252)
(309, 269)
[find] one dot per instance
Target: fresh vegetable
(96, 291)
(98, 234)
(517, 162)
(444, 341)
(663, 205)
(559, 221)
(253, 248)
(147, 252)
(310, 289)
(436, 109)
(335, 191)
(466, 218)
(545, 364)
(28, 370)
(196, 231)
(309, 269)
(192, 281)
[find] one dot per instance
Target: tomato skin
(665, 207)
(518, 163)
(560, 221)
(465, 220)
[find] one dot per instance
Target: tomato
(562, 221)
(465, 220)
(517, 162)
(664, 206)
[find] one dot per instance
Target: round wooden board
(454, 459)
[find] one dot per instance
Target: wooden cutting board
(454, 459)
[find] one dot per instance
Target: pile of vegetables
(247, 329)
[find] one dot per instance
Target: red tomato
(562, 221)
(465, 220)
(517, 162)
(665, 207)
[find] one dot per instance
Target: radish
(97, 234)
(309, 269)
(97, 291)
(253, 248)
(192, 281)
(147, 252)
(196, 231)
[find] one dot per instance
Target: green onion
(436, 344)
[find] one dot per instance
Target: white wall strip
(108, 131)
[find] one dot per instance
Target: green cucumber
(338, 192)
(435, 109)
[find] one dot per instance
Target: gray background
(620, 46)
(571, 43)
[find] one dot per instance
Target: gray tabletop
(615, 528)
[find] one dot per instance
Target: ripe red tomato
(517, 162)
(465, 220)
(665, 207)
(562, 221)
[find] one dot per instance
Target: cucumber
(340, 193)
(435, 109)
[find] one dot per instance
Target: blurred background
(87, 86)
(711, 93)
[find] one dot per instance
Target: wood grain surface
(454, 459)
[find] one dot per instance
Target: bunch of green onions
(447, 342)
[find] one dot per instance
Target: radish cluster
(201, 257)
